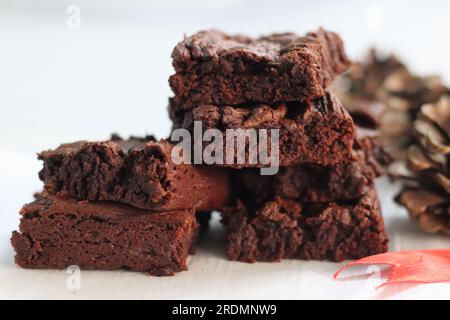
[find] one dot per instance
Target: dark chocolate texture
(138, 172)
(58, 232)
(288, 229)
(215, 68)
(320, 131)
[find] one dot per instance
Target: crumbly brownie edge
(144, 177)
(286, 229)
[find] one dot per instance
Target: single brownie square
(288, 229)
(316, 183)
(58, 232)
(138, 172)
(320, 131)
(215, 68)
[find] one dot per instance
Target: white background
(58, 85)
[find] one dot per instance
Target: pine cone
(426, 176)
(389, 81)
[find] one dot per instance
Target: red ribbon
(419, 266)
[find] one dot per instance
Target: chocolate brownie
(138, 172)
(57, 232)
(288, 229)
(215, 68)
(320, 131)
(315, 183)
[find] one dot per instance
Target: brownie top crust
(276, 49)
(116, 144)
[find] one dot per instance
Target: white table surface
(111, 75)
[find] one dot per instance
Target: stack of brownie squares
(117, 204)
(127, 204)
(322, 203)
